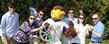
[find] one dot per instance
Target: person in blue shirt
(70, 17)
(38, 22)
(97, 30)
(9, 24)
(39, 19)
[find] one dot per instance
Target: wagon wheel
(45, 35)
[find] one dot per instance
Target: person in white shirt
(81, 29)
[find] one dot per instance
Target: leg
(4, 40)
(11, 41)
(36, 40)
(66, 40)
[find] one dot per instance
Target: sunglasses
(12, 7)
(81, 18)
(41, 14)
(94, 18)
(32, 18)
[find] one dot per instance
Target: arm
(3, 30)
(99, 32)
(17, 21)
(96, 33)
(33, 30)
(3, 25)
(86, 30)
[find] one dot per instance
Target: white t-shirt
(80, 38)
(58, 28)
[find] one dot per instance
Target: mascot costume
(52, 29)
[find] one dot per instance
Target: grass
(1, 41)
(87, 41)
(103, 42)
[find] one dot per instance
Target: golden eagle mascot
(52, 29)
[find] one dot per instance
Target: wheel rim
(45, 35)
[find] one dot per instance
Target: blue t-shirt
(9, 24)
(74, 20)
(37, 24)
(99, 27)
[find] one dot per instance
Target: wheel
(45, 35)
(48, 32)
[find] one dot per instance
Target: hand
(41, 27)
(87, 25)
(90, 27)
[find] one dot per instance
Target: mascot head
(57, 13)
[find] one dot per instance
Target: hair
(28, 19)
(79, 17)
(97, 13)
(58, 7)
(40, 10)
(11, 4)
(66, 14)
(70, 10)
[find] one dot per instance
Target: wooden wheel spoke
(43, 32)
(46, 37)
(43, 35)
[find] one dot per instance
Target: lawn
(104, 41)
(1, 41)
(87, 41)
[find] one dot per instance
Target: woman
(25, 32)
(82, 31)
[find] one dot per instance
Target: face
(11, 9)
(40, 15)
(31, 20)
(81, 11)
(95, 18)
(81, 19)
(71, 13)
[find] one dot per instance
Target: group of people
(28, 31)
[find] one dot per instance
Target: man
(9, 24)
(66, 20)
(97, 30)
(39, 19)
(71, 17)
(37, 24)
